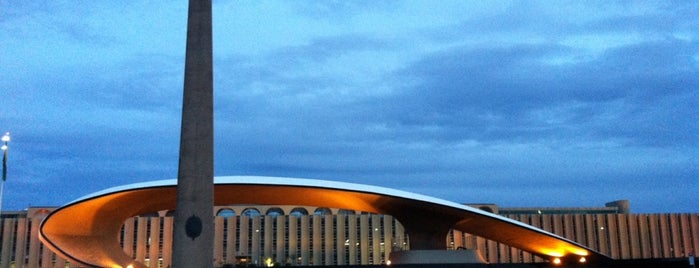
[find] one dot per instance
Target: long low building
(314, 235)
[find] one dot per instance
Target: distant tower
(194, 232)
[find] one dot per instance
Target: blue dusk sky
(518, 103)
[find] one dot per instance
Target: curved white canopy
(97, 218)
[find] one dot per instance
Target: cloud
(512, 103)
(491, 89)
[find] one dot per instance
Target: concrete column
(305, 240)
(47, 259)
(128, 237)
(154, 241)
(666, 228)
(167, 241)
(194, 219)
(634, 238)
(341, 238)
(317, 240)
(231, 239)
(218, 241)
(329, 246)
(352, 220)
(375, 232)
(293, 239)
(244, 249)
(20, 242)
(644, 231)
(7, 240)
(60, 262)
(624, 245)
(388, 236)
(141, 238)
(426, 230)
(268, 235)
(603, 246)
(401, 242)
(280, 235)
(364, 233)
(256, 241)
(34, 244)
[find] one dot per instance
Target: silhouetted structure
(195, 180)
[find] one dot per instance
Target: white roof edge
(289, 181)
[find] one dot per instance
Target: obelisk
(194, 219)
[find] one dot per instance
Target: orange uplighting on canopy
(96, 219)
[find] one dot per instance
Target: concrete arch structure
(95, 220)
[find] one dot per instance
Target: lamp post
(5, 141)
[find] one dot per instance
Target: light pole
(5, 141)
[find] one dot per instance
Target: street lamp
(5, 141)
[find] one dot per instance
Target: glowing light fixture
(582, 260)
(556, 261)
(268, 262)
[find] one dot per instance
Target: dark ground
(639, 263)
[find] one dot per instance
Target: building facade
(288, 235)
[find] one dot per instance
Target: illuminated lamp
(582, 260)
(556, 261)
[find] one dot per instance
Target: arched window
(226, 213)
(298, 212)
(274, 212)
(322, 211)
(345, 212)
(251, 212)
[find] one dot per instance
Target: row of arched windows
(276, 211)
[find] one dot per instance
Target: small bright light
(6, 138)
(582, 260)
(388, 262)
(556, 261)
(4, 147)
(130, 266)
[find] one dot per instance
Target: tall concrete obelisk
(194, 219)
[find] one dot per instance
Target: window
(251, 212)
(275, 212)
(322, 211)
(226, 213)
(298, 212)
(345, 212)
